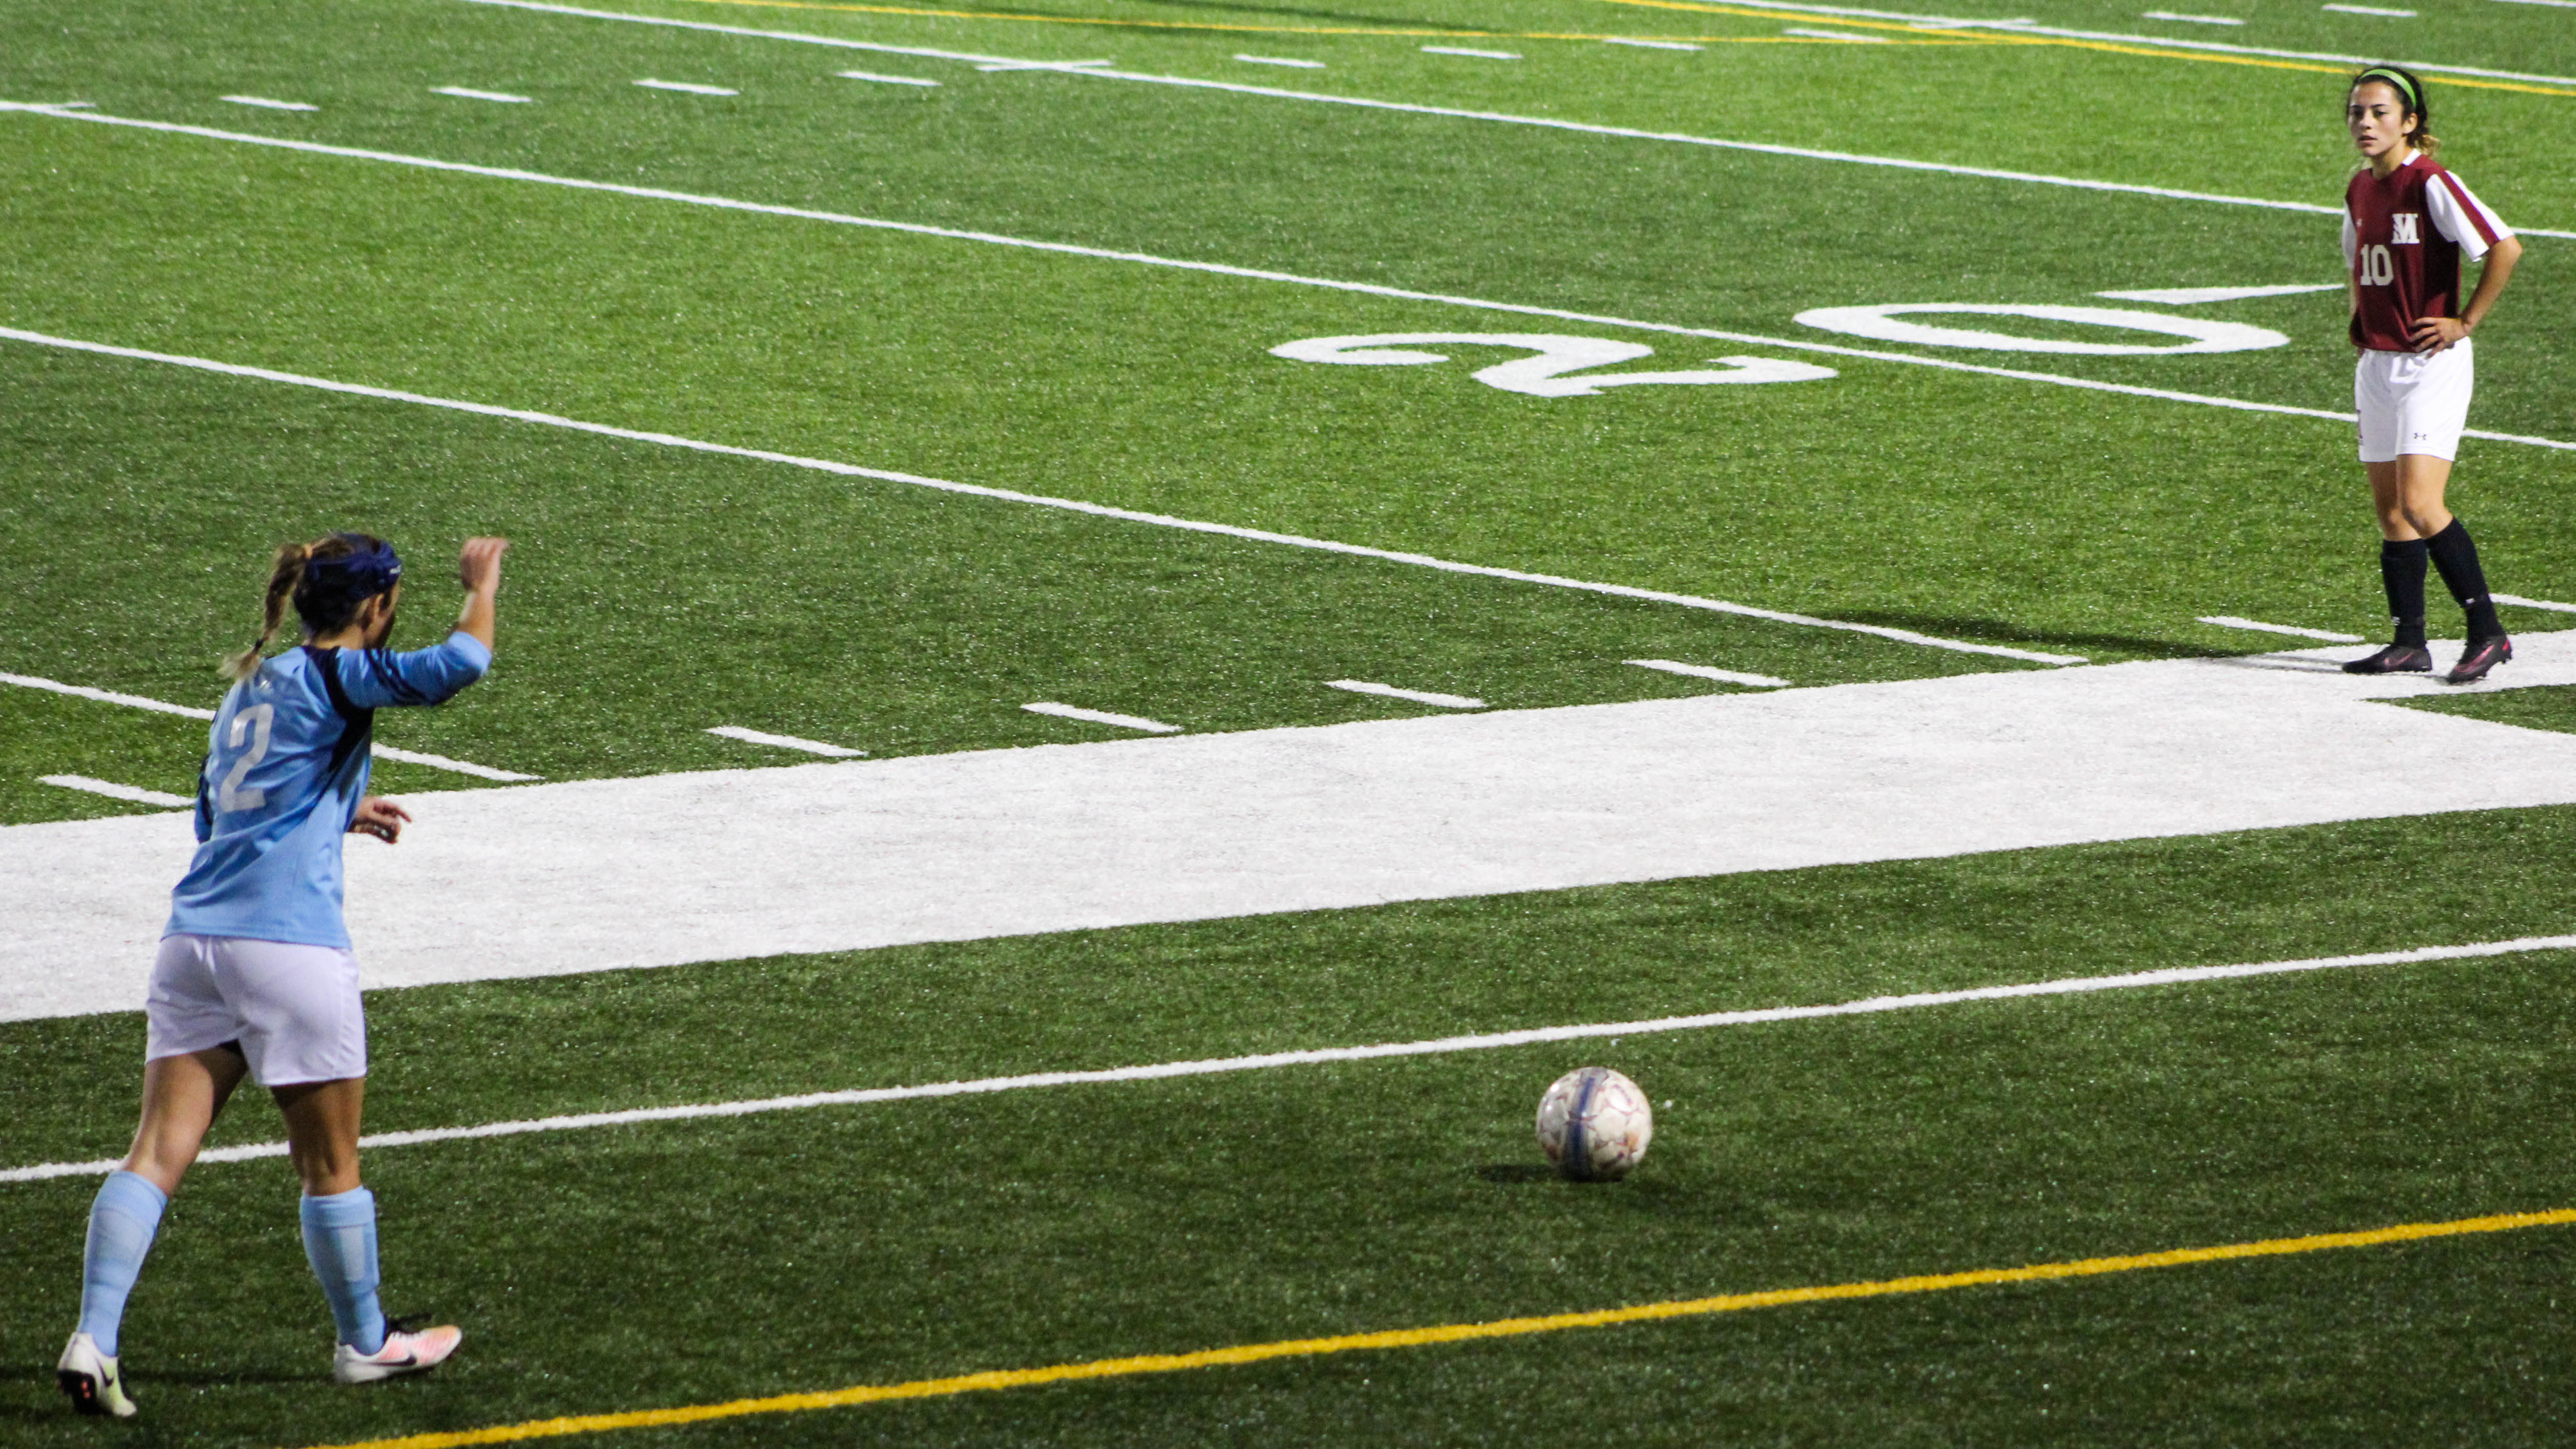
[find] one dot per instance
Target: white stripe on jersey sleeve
(2442, 201)
(2351, 239)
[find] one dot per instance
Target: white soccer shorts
(2411, 402)
(294, 1009)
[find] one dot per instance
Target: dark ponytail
(283, 579)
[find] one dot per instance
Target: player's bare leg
(182, 1097)
(322, 1120)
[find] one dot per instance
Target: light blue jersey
(285, 768)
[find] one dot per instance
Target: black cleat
(2395, 659)
(2481, 656)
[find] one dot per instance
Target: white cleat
(405, 1352)
(90, 1379)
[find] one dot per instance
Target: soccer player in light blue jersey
(254, 975)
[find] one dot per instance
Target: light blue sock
(340, 1242)
(122, 1219)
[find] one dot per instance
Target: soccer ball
(1594, 1124)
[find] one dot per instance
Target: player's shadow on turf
(1996, 631)
(1508, 1172)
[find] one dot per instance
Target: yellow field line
(2115, 47)
(1163, 1363)
(1947, 38)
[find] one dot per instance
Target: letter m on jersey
(2404, 229)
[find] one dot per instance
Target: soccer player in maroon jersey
(2407, 224)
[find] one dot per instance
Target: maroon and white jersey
(2403, 236)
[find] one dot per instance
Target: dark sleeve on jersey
(382, 679)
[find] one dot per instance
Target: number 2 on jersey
(255, 722)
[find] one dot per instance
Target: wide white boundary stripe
(1097, 510)
(1252, 273)
(1868, 1006)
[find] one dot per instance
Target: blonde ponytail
(282, 581)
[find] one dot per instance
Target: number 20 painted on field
(1543, 375)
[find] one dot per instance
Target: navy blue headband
(372, 570)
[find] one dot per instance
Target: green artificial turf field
(1043, 347)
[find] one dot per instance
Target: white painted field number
(1887, 323)
(1546, 373)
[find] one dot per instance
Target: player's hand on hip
(381, 818)
(2436, 334)
(478, 567)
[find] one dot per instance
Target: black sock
(2457, 558)
(2401, 571)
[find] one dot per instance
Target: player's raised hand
(381, 818)
(478, 566)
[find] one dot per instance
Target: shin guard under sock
(2401, 572)
(2457, 558)
(340, 1243)
(122, 1220)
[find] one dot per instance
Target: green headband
(2405, 88)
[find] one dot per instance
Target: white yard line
(1845, 36)
(460, 767)
(1702, 671)
(2194, 296)
(1225, 270)
(892, 80)
(2535, 603)
(136, 701)
(689, 87)
(1548, 122)
(1102, 716)
(2230, 621)
(785, 742)
(1063, 65)
(105, 696)
(109, 788)
(2369, 10)
(264, 103)
(1463, 50)
(1650, 44)
(1280, 60)
(1097, 510)
(468, 93)
(1414, 696)
(2023, 27)
(1440, 1046)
